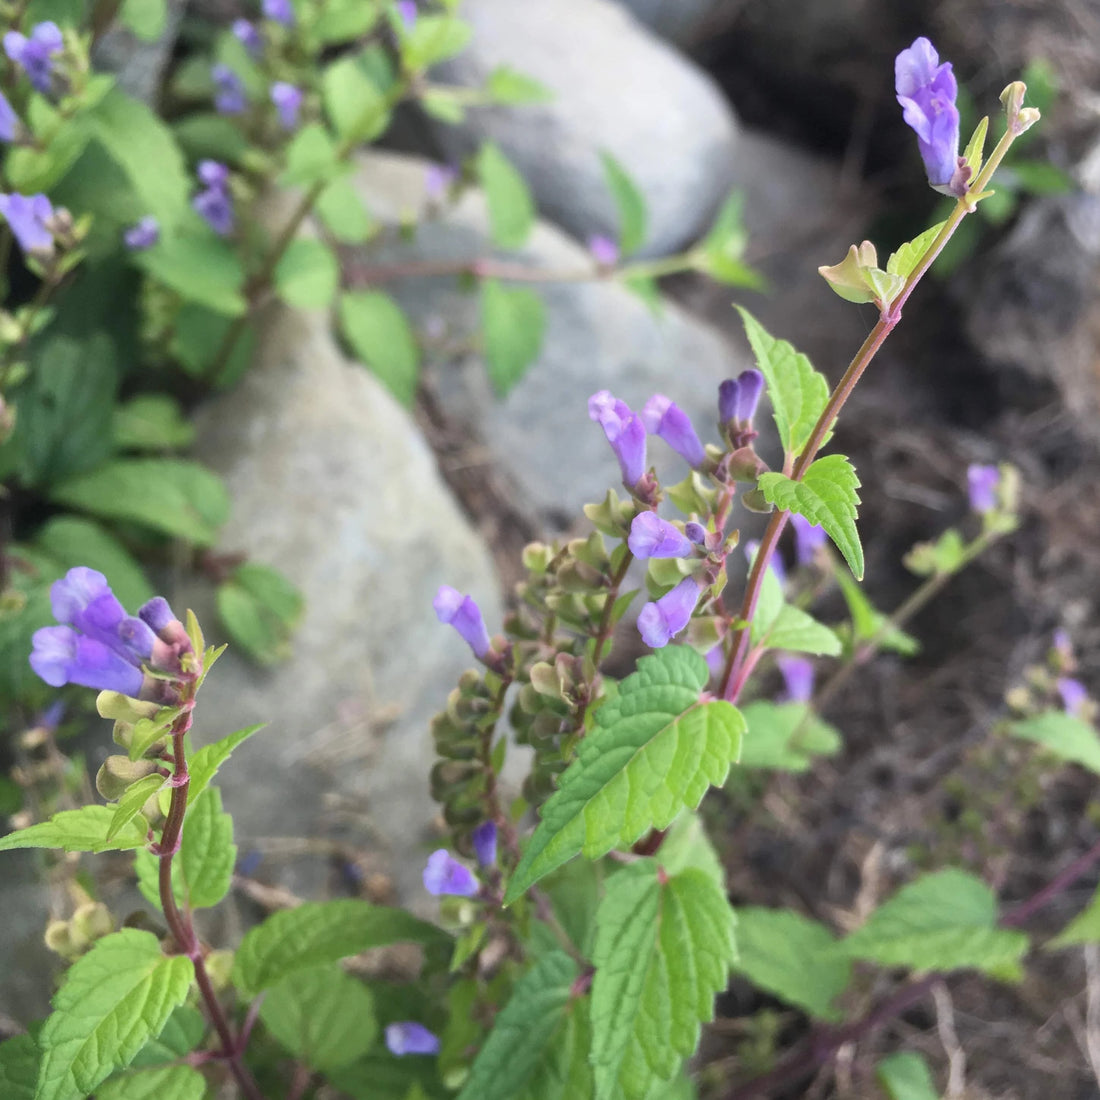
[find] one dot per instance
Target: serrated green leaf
(797, 631)
(202, 269)
(151, 422)
(563, 1072)
(180, 1035)
(307, 274)
(260, 608)
(111, 1002)
(83, 830)
(1084, 928)
(906, 1076)
(912, 252)
(505, 85)
(628, 202)
(205, 763)
(160, 1083)
(356, 106)
(687, 845)
(798, 393)
(511, 207)
(343, 213)
(654, 751)
(1062, 734)
(514, 322)
(19, 1059)
(378, 331)
(797, 959)
(946, 920)
(785, 736)
(322, 932)
(523, 1031)
(664, 946)
(127, 808)
(322, 1016)
(433, 38)
(826, 495)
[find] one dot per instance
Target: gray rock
(618, 88)
(332, 484)
(684, 22)
(139, 65)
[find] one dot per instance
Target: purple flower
(1063, 644)
(143, 235)
(738, 397)
(34, 55)
(215, 204)
(451, 606)
(1074, 695)
(445, 875)
(798, 675)
(604, 250)
(662, 620)
(29, 217)
(410, 1038)
(696, 532)
(9, 120)
(288, 102)
(625, 432)
(653, 537)
(61, 656)
(83, 599)
(230, 97)
(280, 11)
(808, 538)
(484, 840)
(982, 483)
(438, 179)
(213, 173)
(926, 91)
(662, 416)
(158, 615)
(249, 36)
(406, 11)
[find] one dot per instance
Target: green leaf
(867, 620)
(205, 763)
(523, 1032)
(161, 1083)
(307, 274)
(686, 844)
(202, 269)
(514, 320)
(341, 210)
(505, 85)
(946, 920)
(379, 334)
(151, 422)
(906, 1076)
(664, 946)
(146, 18)
(798, 632)
(381, 1076)
(511, 207)
(323, 1016)
(205, 135)
(111, 1001)
(628, 202)
(344, 20)
(785, 736)
(975, 147)
(444, 104)
(18, 1068)
(358, 110)
(912, 252)
(83, 830)
(1062, 734)
(127, 808)
(260, 608)
(197, 344)
(433, 38)
(719, 256)
(71, 541)
(654, 751)
(798, 393)
(181, 1035)
(1084, 928)
(322, 932)
(826, 495)
(797, 959)
(172, 496)
(1040, 177)
(311, 157)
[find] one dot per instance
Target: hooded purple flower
(798, 675)
(29, 217)
(738, 397)
(279, 11)
(438, 179)
(249, 36)
(213, 173)
(288, 102)
(61, 656)
(603, 250)
(215, 204)
(451, 606)
(9, 120)
(406, 11)
(808, 538)
(625, 432)
(230, 97)
(653, 537)
(663, 417)
(409, 1037)
(926, 91)
(143, 235)
(662, 620)
(982, 483)
(34, 55)
(1074, 695)
(445, 875)
(484, 840)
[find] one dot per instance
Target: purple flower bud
(1063, 645)
(288, 101)
(1074, 695)
(212, 173)
(28, 217)
(662, 620)
(625, 432)
(438, 179)
(982, 483)
(230, 97)
(696, 532)
(604, 250)
(143, 235)
(280, 11)
(451, 606)
(484, 839)
(248, 35)
(9, 120)
(798, 674)
(406, 11)
(410, 1038)
(663, 417)
(927, 91)
(445, 875)
(215, 207)
(160, 618)
(808, 538)
(653, 537)
(61, 656)
(34, 55)
(738, 397)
